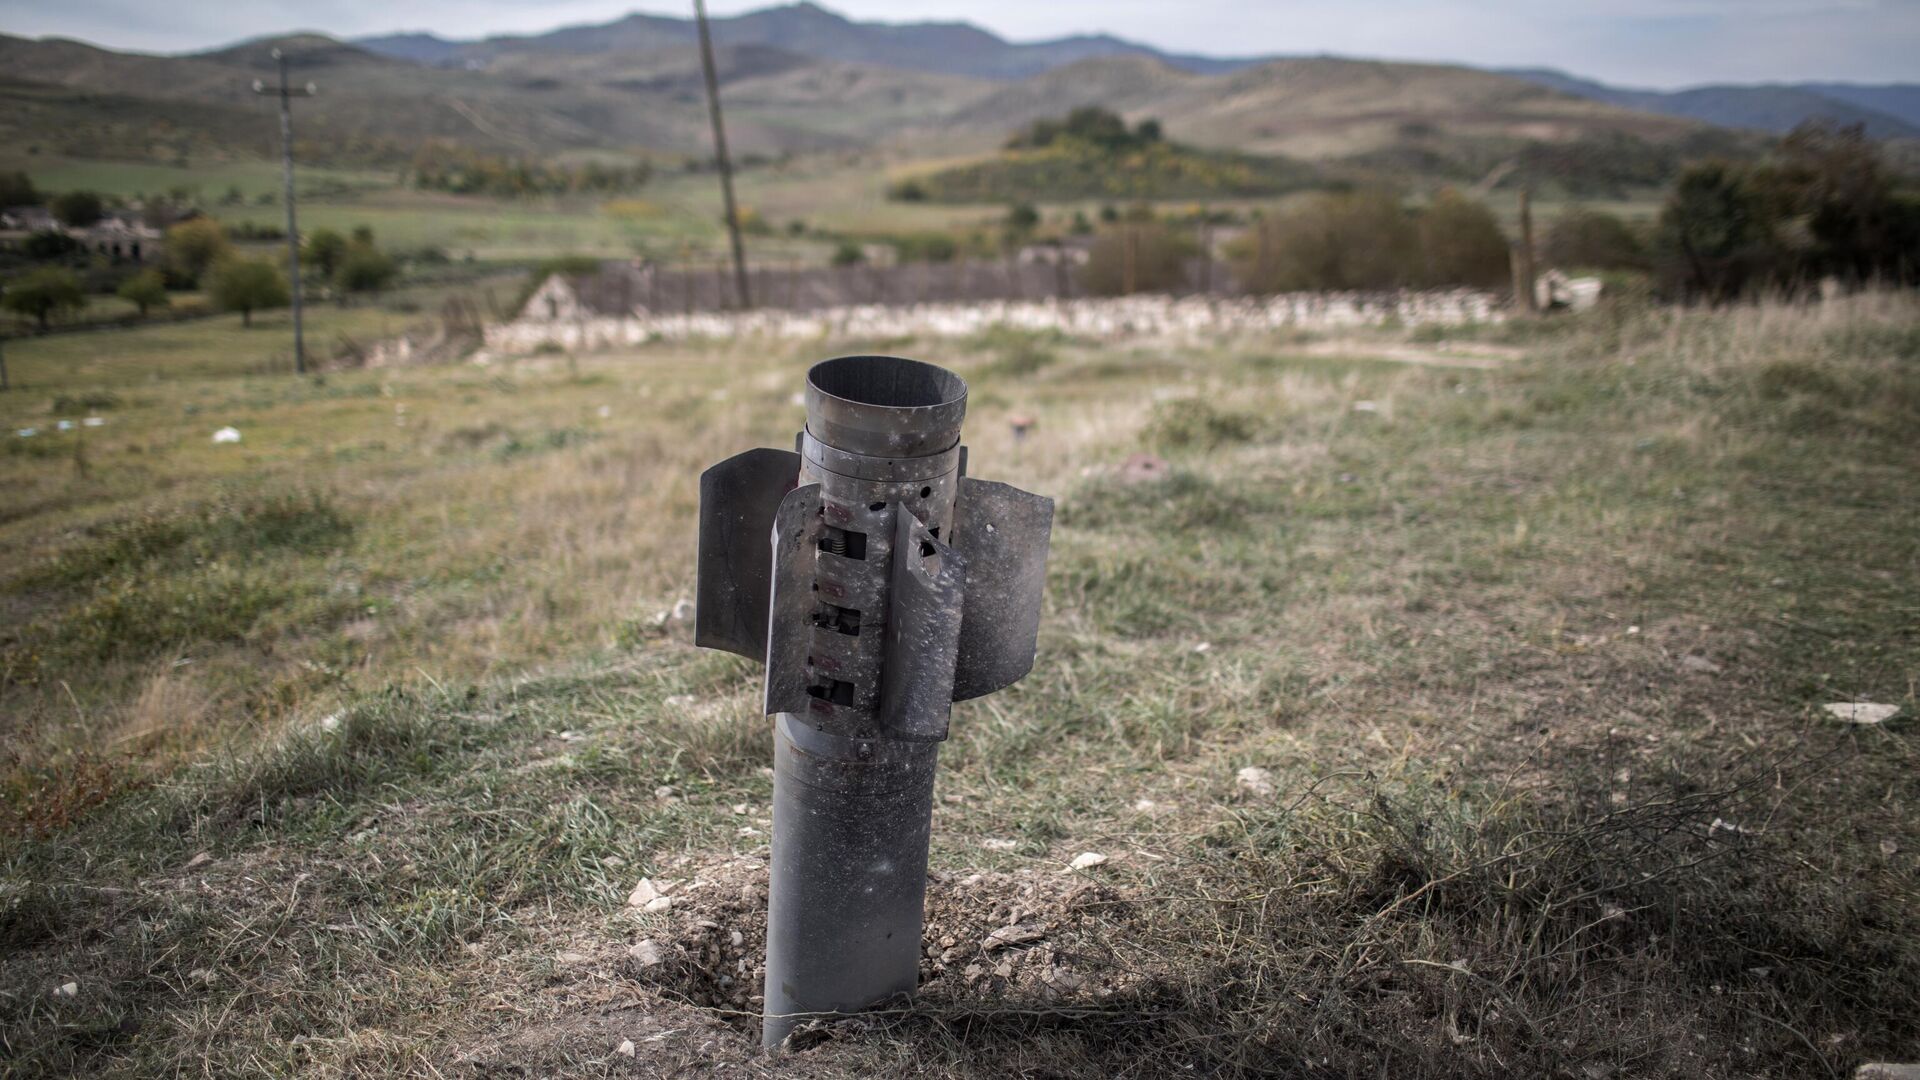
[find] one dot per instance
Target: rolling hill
(1317, 109)
(379, 107)
(1886, 112)
(951, 48)
(800, 79)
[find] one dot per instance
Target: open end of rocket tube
(885, 406)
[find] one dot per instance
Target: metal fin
(738, 498)
(788, 626)
(923, 632)
(1002, 533)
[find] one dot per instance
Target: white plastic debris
(1366, 406)
(227, 435)
(67, 990)
(1086, 860)
(94, 421)
(995, 843)
(626, 1048)
(1203, 646)
(1255, 780)
(27, 432)
(64, 425)
(1863, 712)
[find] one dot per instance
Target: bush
(1594, 240)
(1461, 243)
(16, 189)
(146, 289)
(849, 254)
(193, 247)
(1717, 232)
(934, 247)
(77, 209)
(365, 269)
(246, 286)
(45, 293)
(323, 250)
(50, 246)
(1135, 257)
(1357, 240)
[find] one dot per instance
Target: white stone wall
(1103, 319)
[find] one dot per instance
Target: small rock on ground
(1255, 780)
(1863, 712)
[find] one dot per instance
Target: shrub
(16, 189)
(246, 286)
(193, 247)
(1135, 257)
(77, 209)
(1461, 243)
(365, 269)
(323, 249)
(936, 247)
(1717, 233)
(1356, 240)
(146, 289)
(1594, 240)
(848, 254)
(45, 293)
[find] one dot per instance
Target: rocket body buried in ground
(880, 584)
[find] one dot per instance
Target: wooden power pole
(720, 155)
(1523, 261)
(286, 96)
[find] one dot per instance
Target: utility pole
(720, 155)
(1523, 267)
(286, 96)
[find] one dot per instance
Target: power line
(286, 96)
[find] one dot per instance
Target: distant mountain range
(802, 79)
(950, 48)
(1887, 111)
(963, 49)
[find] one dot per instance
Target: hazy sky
(1664, 43)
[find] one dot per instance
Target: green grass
(1454, 628)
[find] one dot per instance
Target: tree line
(201, 256)
(462, 171)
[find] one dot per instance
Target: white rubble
(1863, 712)
(1255, 780)
(1158, 316)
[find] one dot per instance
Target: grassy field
(676, 217)
(339, 750)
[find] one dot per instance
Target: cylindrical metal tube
(853, 802)
(849, 873)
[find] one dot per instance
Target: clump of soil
(1029, 936)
